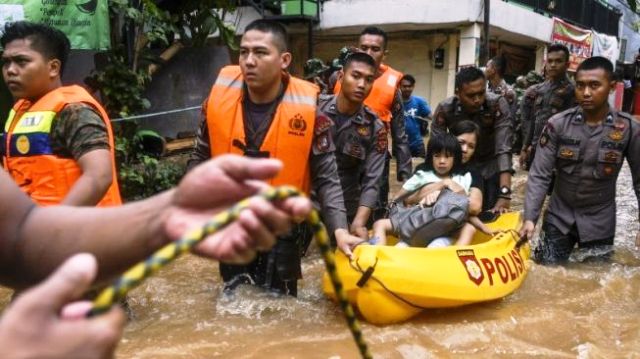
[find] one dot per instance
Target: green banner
(86, 22)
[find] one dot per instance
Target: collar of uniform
(457, 106)
(609, 120)
(332, 106)
(332, 110)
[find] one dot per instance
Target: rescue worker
(385, 100)
(359, 138)
(46, 322)
(315, 71)
(257, 109)
(492, 114)
(586, 145)
(553, 96)
(57, 142)
(522, 84)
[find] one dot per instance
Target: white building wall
(412, 56)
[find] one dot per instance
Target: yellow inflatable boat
(390, 284)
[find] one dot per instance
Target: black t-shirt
(476, 179)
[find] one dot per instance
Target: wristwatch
(505, 192)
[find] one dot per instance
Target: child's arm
(454, 186)
(380, 229)
(423, 192)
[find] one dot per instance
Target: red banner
(578, 40)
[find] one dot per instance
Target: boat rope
(357, 268)
(138, 273)
(368, 274)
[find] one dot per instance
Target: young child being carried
(434, 203)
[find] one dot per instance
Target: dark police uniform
(400, 150)
(503, 89)
(541, 102)
(280, 268)
(493, 151)
(360, 144)
(587, 161)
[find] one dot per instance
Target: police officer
(554, 95)
(586, 145)
(496, 84)
(385, 100)
(523, 83)
(492, 114)
(359, 137)
(259, 110)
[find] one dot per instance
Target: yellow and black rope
(134, 276)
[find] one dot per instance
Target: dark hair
(411, 79)
(559, 47)
(373, 30)
(597, 62)
(48, 41)
(465, 126)
(359, 57)
(274, 28)
(448, 144)
(468, 74)
(500, 64)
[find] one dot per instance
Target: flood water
(581, 310)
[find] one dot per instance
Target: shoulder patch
(381, 141)
(323, 123)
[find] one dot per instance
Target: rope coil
(138, 273)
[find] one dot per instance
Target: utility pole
(485, 46)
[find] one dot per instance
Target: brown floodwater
(586, 309)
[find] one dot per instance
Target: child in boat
(437, 200)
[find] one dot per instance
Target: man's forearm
(118, 237)
(87, 191)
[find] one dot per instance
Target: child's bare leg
(476, 222)
(380, 229)
(466, 235)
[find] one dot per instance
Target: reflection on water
(581, 310)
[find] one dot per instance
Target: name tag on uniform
(31, 121)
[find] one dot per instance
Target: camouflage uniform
(360, 142)
(493, 152)
(541, 102)
(315, 71)
(77, 130)
(586, 161)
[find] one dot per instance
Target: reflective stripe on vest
(289, 137)
(383, 93)
(27, 152)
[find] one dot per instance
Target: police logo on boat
(470, 262)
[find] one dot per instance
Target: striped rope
(134, 276)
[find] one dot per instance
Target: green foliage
(142, 173)
(121, 86)
(123, 80)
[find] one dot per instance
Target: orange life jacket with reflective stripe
(289, 137)
(383, 92)
(27, 152)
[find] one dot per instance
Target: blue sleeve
(426, 110)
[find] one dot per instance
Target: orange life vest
(289, 137)
(383, 92)
(28, 155)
